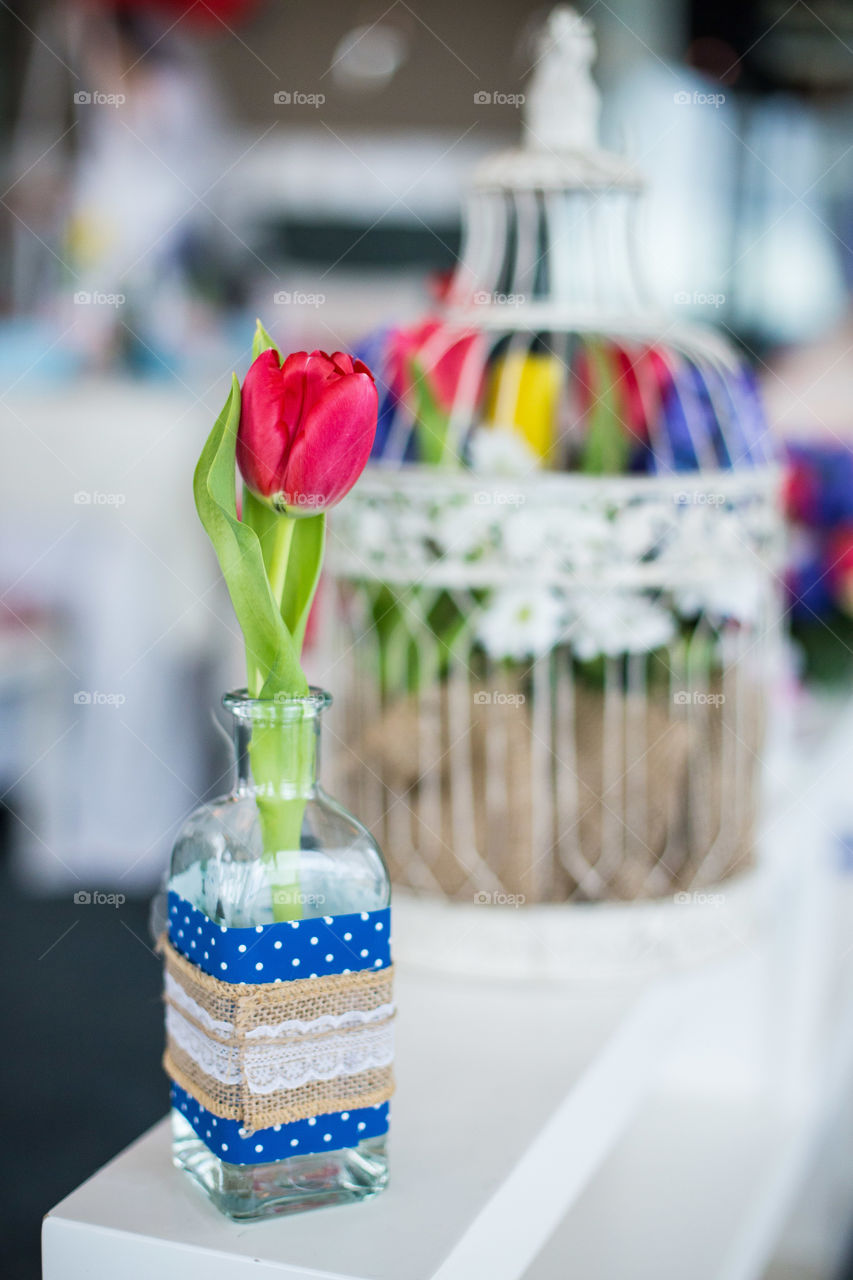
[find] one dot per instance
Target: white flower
(521, 622)
(733, 595)
(464, 528)
(500, 451)
(616, 622)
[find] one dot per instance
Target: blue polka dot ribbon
(280, 952)
(284, 951)
(228, 1140)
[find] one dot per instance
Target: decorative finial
(563, 103)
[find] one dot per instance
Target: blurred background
(169, 172)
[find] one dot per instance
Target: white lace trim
(178, 995)
(221, 1061)
(328, 1022)
(273, 1067)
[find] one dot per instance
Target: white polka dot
(225, 1146)
(186, 919)
(258, 1147)
(198, 930)
(192, 943)
(327, 919)
(379, 926)
(276, 1128)
(347, 970)
(213, 942)
(242, 946)
(183, 1106)
(244, 1133)
(294, 1142)
(207, 1133)
(277, 945)
(347, 937)
(295, 961)
(278, 979)
(294, 924)
(222, 928)
(314, 942)
(313, 1120)
(259, 928)
(259, 966)
(223, 965)
(313, 975)
(364, 951)
(213, 1122)
(377, 963)
(364, 915)
(329, 958)
(360, 1125)
(180, 933)
(345, 1115)
(327, 1137)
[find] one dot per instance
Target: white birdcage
(554, 675)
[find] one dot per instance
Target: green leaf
(608, 443)
(432, 421)
(271, 656)
(263, 342)
(303, 574)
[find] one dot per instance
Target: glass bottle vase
(277, 850)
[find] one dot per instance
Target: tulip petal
(262, 440)
(332, 448)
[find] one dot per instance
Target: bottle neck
(277, 748)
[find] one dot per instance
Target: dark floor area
(80, 1076)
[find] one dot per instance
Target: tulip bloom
(306, 429)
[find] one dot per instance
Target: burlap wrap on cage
(271, 1053)
(609, 795)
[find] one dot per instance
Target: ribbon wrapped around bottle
(265, 1049)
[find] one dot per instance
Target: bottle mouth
(282, 708)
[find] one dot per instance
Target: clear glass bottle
(219, 864)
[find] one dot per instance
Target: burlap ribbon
(274, 1052)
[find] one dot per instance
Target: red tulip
(306, 428)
